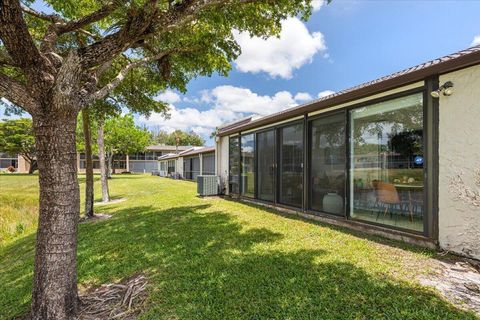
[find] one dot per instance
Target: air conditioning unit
(207, 185)
(162, 173)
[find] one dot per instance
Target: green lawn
(221, 259)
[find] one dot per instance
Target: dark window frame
(430, 138)
(427, 157)
(308, 200)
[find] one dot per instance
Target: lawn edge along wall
(381, 157)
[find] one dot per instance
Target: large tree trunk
(55, 294)
(103, 167)
(89, 164)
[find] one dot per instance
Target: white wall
(459, 152)
(179, 166)
(221, 152)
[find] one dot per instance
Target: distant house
(16, 161)
(379, 157)
(142, 162)
(188, 164)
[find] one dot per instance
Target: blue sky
(344, 44)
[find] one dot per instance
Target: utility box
(207, 185)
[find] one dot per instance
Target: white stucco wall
(179, 166)
(459, 152)
(221, 152)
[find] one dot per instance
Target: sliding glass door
(291, 165)
(327, 164)
(248, 165)
(387, 163)
(266, 165)
(234, 165)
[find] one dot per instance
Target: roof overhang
(460, 60)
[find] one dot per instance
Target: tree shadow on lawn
(203, 264)
(356, 233)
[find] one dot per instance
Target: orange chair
(387, 195)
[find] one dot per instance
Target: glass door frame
(274, 130)
(308, 183)
(428, 111)
(278, 142)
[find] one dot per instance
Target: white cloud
(476, 41)
(243, 100)
(225, 104)
(317, 4)
(168, 96)
(303, 96)
(325, 93)
(279, 57)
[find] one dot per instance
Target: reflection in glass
(233, 165)
(208, 163)
(266, 165)
(291, 165)
(248, 165)
(327, 164)
(386, 163)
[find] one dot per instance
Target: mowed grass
(221, 259)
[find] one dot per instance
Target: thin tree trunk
(109, 165)
(55, 294)
(33, 166)
(89, 164)
(103, 167)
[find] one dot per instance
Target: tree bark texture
(55, 277)
(89, 213)
(103, 166)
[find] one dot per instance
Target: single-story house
(16, 161)
(188, 164)
(141, 162)
(394, 156)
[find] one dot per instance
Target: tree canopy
(177, 138)
(16, 137)
(122, 136)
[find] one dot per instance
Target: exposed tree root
(124, 300)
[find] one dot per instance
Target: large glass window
(266, 165)
(327, 164)
(171, 166)
(386, 163)
(195, 167)
(234, 165)
(291, 165)
(248, 165)
(208, 163)
(191, 168)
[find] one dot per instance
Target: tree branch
(16, 93)
(107, 89)
(114, 44)
(18, 41)
(5, 60)
(93, 17)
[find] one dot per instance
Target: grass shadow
(205, 264)
(356, 233)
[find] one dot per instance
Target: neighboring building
(147, 161)
(379, 157)
(142, 162)
(16, 161)
(188, 164)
